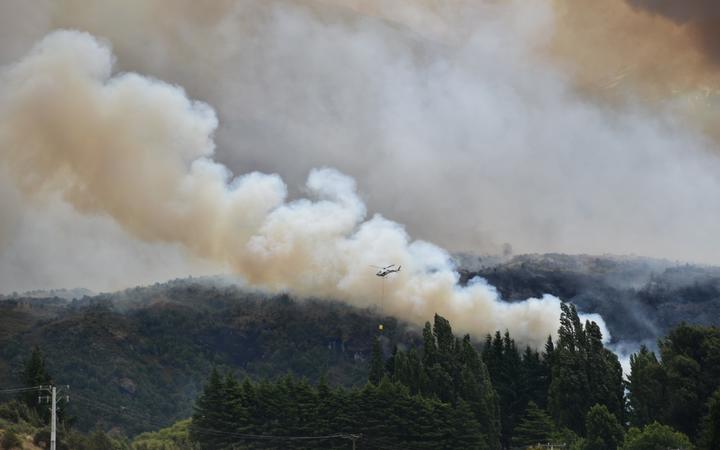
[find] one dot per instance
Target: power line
(19, 389)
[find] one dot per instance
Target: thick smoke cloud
(451, 118)
(700, 16)
(139, 151)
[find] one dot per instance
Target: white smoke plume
(446, 113)
(449, 114)
(139, 151)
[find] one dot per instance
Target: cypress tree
(568, 388)
(429, 346)
(646, 388)
(35, 374)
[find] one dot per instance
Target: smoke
(139, 151)
(452, 118)
(702, 17)
(623, 54)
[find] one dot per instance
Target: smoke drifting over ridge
(450, 118)
(138, 150)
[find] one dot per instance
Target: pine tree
(536, 427)
(535, 378)
(209, 414)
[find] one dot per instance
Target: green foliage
(276, 414)
(655, 436)
(691, 359)
(68, 439)
(452, 371)
(174, 437)
(377, 364)
(217, 411)
(584, 373)
(604, 432)
(505, 368)
(11, 440)
(17, 412)
(710, 435)
(35, 374)
(146, 351)
(536, 427)
(646, 388)
(674, 391)
(517, 379)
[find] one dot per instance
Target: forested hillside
(137, 359)
(150, 349)
(442, 393)
(641, 299)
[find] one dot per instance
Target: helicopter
(387, 270)
(382, 273)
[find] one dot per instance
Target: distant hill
(147, 351)
(639, 298)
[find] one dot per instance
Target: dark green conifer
(377, 365)
(535, 427)
(710, 431)
(35, 374)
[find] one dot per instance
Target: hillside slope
(639, 298)
(145, 352)
(137, 358)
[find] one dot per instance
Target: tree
(535, 378)
(655, 436)
(209, 414)
(377, 365)
(35, 374)
(692, 367)
(536, 427)
(99, 441)
(451, 371)
(646, 388)
(568, 396)
(584, 373)
(710, 434)
(604, 432)
(604, 373)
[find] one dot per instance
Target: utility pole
(354, 438)
(53, 399)
(53, 419)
